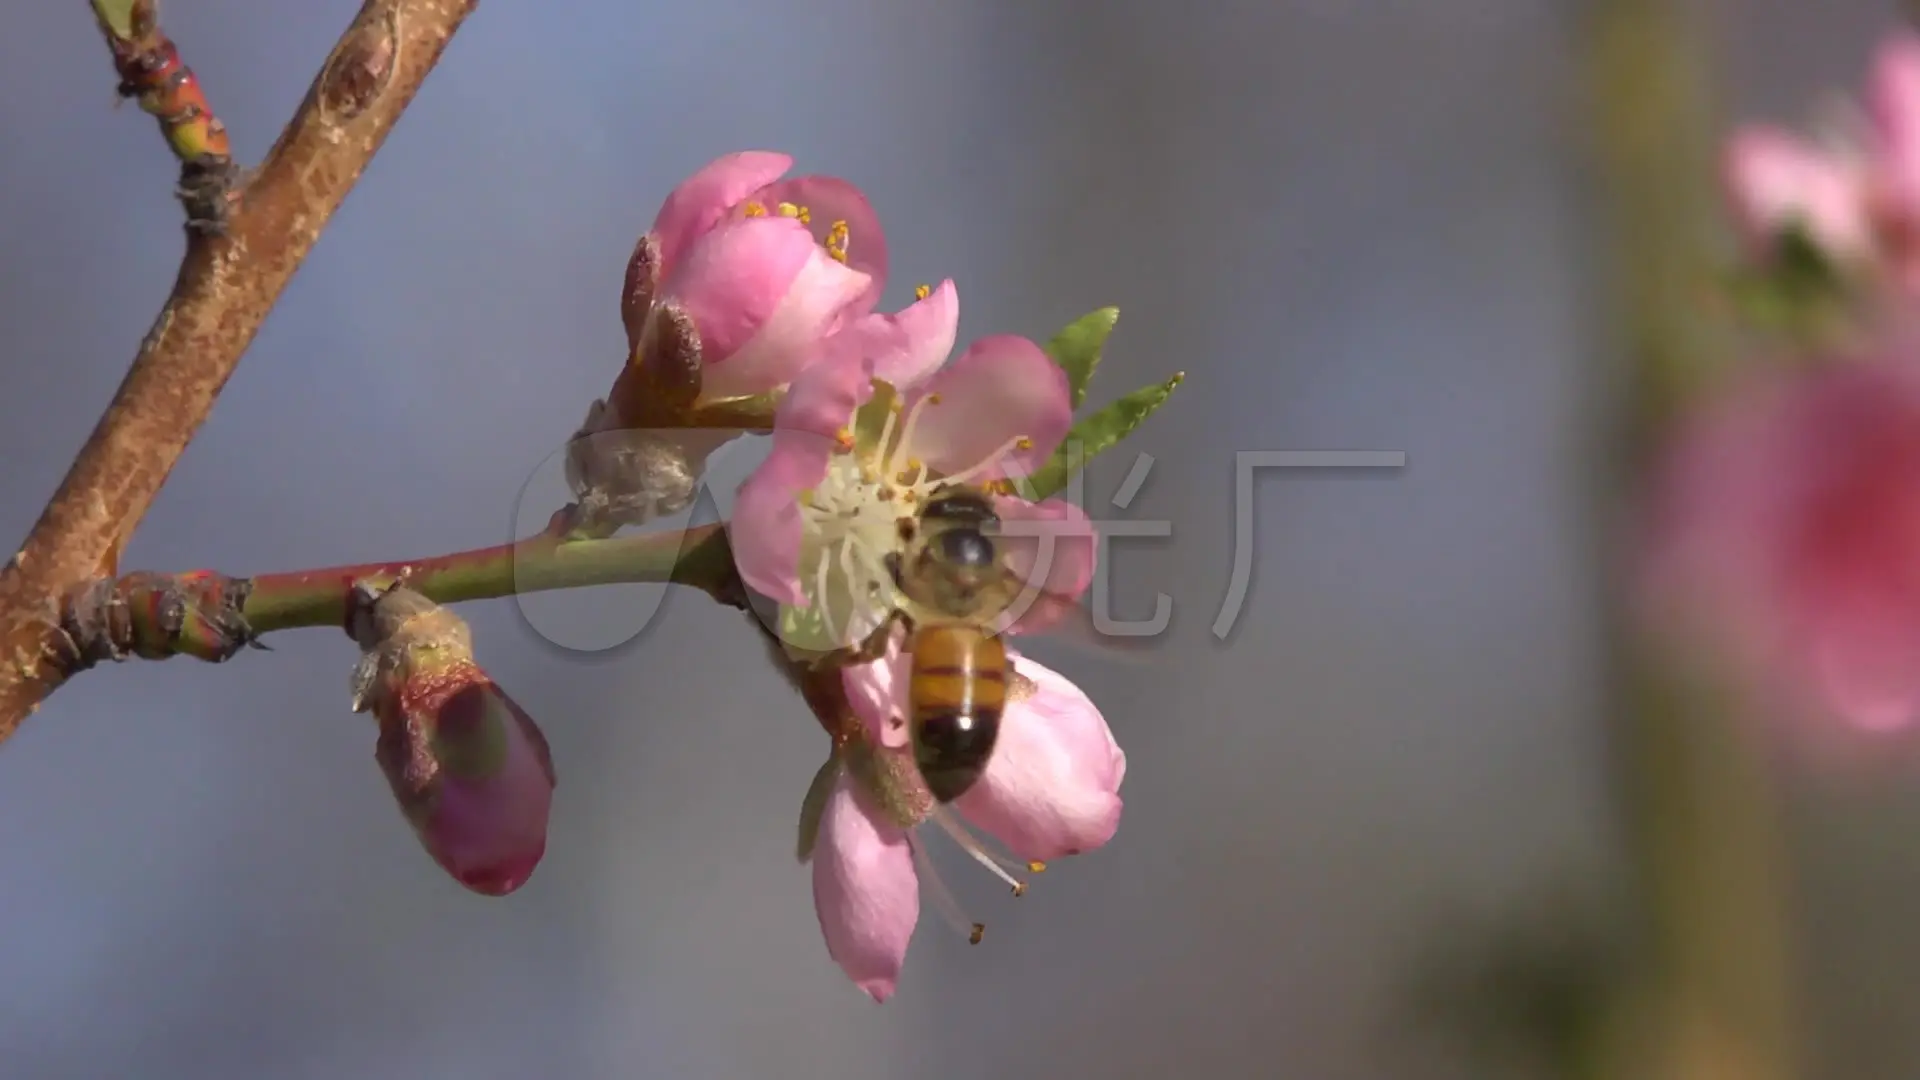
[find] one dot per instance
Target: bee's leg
(866, 652)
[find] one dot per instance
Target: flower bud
(470, 770)
(738, 284)
(630, 477)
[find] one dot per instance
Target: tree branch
(213, 616)
(229, 278)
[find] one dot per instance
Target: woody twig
(247, 239)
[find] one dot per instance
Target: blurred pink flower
(1775, 182)
(1051, 789)
(1785, 527)
(813, 525)
(766, 269)
(1859, 200)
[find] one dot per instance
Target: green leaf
(122, 19)
(1799, 292)
(1097, 434)
(1077, 348)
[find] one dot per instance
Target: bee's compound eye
(966, 547)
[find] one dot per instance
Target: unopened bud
(470, 770)
(626, 477)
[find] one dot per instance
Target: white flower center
(851, 521)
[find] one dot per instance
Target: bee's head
(959, 506)
(949, 553)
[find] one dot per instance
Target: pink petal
(1052, 546)
(907, 345)
(1868, 670)
(1775, 181)
(818, 303)
(766, 529)
(1000, 389)
(1782, 531)
(829, 199)
(824, 398)
(1052, 787)
(925, 333)
(736, 275)
(699, 203)
(878, 693)
(865, 892)
(1894, 98)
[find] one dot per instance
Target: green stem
(1700, 810)
(699, 557)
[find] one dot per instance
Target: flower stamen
(988, 463)
(943, 900)
(973, 847)
(838, 237)
(921, 292)
(886, 429)
(753, 209)
(820, 585)
(798, 213)
(895, 465)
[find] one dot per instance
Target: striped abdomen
(957, 693)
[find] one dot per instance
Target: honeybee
(958, 594)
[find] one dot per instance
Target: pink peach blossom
(1785, 529)
(1051, 789)
(812, 527)
(767, 269)
(1776, 181)
(1857, 196)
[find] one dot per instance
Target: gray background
(1356, 225)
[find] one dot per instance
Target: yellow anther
(838, 236)
(933, 399)
(921, 292)
(800, 213)
(1023, 443)
(1036, 867)
(843, 439)
(754, 209)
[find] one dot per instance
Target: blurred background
(1356, 226)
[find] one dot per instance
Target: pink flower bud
(763, 270)
(470, 770)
